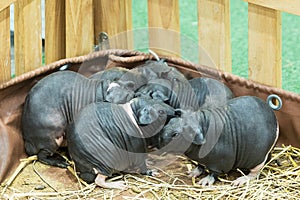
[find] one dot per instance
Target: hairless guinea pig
(106, 138)
(239, 134)
(210, 92)
(53, 102)
(112, 74)
(192, 94)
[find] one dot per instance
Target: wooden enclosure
(72, 27)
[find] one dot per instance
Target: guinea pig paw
(152, 172)
(149, 162)
(121, 185)
(100, 181)
(240, 181)
(194, 173)
(207, 181)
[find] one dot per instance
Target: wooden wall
(72, 28)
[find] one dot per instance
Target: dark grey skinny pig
(193, 94)
(111, 74)
(107, 138)
(210, 92)
(119, 76)
(175, 89)
(52, 104)
(240, 134)
(157, 89)
(159, 70)
(140, 76)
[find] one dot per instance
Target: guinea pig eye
(145, 111)
(161, 112)
(175, 134)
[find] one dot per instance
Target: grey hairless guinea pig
(157, 89)
(239, 134)
(193, 94)
(53, 102)
(159, 70)
(141, 75)
(210, 92)
(112, 74)
(107, 138)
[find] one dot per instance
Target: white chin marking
(112, 85)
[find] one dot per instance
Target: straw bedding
(278, 180)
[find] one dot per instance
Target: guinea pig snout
(167, 135)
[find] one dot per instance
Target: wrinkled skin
(159, 70)
(177, 93)
(124, 89)
(166, 84)
(223, 138)
(104, 138)
(126, 84)
(158, 89)
(210, 92)
(111, 74)
(52, 104)
(194, 94)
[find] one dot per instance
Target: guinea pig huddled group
(109, 120)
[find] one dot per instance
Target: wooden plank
(108, 15)
(5, 65)
(214, 33)
(79, 27)
(290, 6)
(55, 30)
(164, 27)
(264, 45)
(5, 3)
(28, 36)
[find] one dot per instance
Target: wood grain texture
(164, 27)
(214, 33)
(5, 65)
(55, 30)
(264, 43)
(290, 6)
(5, 3)
(28, 36)
(114, 18)
(79, 27)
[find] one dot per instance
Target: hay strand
(22, 165)
(276, 181)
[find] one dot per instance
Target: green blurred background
(239, 38)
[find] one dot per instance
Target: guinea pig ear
(199, 138)
(179, 112)
(127, 84)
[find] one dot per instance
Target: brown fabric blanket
(13, 93)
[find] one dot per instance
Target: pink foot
(100, 181)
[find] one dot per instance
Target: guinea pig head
(120, 92)
(192, 130)
(184, 128)
(158, 89)
(171, 131)
(153, 112)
